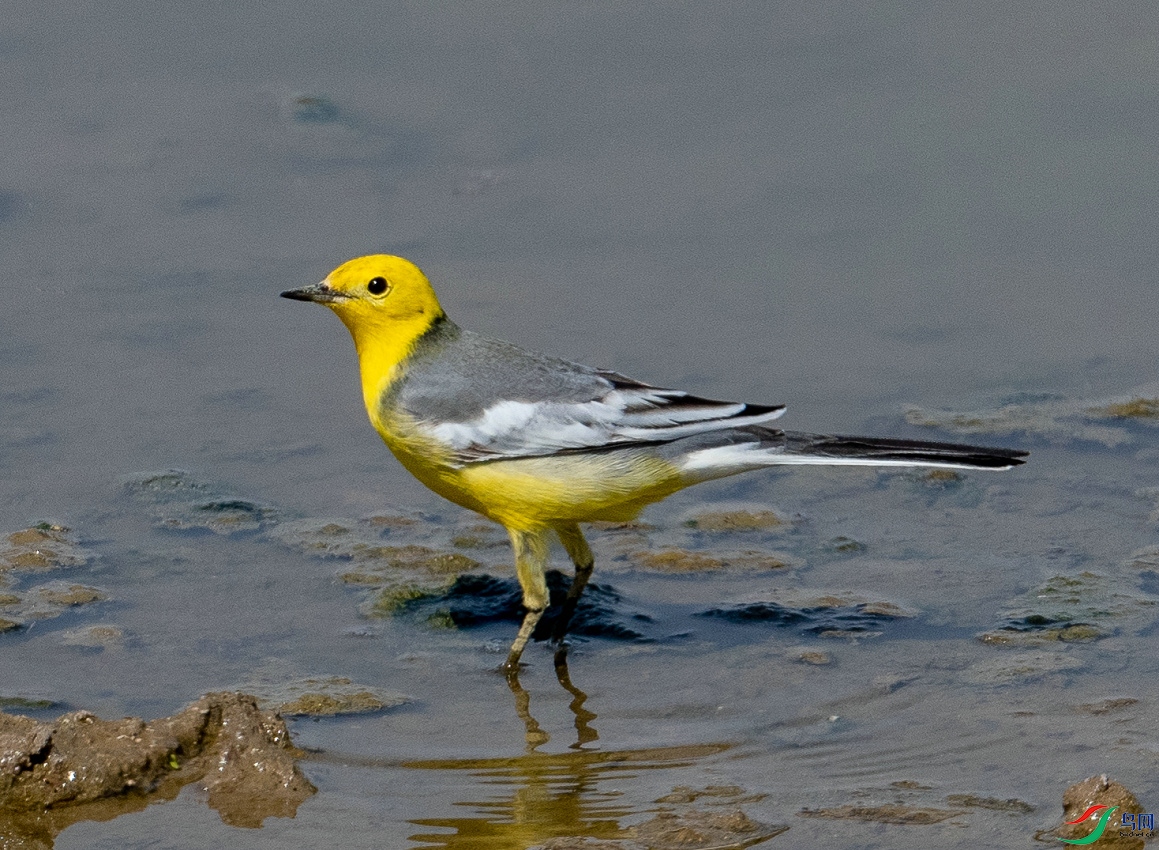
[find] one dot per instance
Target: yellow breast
(535, 491)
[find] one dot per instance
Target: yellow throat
(386, 303)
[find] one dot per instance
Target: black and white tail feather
(705, 438)
(883, 451)
(726, 452)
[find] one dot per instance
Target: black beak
(319, 293)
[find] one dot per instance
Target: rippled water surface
(897, 219)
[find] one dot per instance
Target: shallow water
(850, 211)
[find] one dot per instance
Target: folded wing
(620, 412)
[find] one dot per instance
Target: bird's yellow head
(379, 294)
(380, 298)
(386, 302)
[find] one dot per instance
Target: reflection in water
(585, 734)
(534, 734)
(539, 796)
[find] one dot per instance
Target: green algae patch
(1107, 706)
(1020, 664)
(1134, 408)
(319, 696)
(70, 595)
(1010, 805)
(336, 695)
(25, 704)
(891, 813)
(1111, 421)
(813, 657)
(403, 576)
(732, 794)
(1077, 608)
(1033, 634)
(394, 522)
(41, 548)
(942, 476)
(480, 536)
(675, 560)
(716, 825)
(737, 520)
(221, 516)
(327, 705)
(45, 602)
(366, 544)
(391, 601)
(396, 575)
(1027, 417)
(702, 830)
(844, 545)
(379, 560)
(474, 540)
(1146, 558)
(826, 615)
(94, 637)
(478, 599)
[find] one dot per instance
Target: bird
(540, 444)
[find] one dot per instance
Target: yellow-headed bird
(540, 444)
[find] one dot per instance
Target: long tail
(875, 451)
(735, 450)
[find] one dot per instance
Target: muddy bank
(79, 767)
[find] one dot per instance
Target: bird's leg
(530, 621)
(531, 550)
(581, 555)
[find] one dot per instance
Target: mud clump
(79, 767)
(1099, 804)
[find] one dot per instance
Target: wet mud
(80, 767)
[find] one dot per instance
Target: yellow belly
(528, 493)
(532, 492)
(571, 488)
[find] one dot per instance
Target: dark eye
(377, 285)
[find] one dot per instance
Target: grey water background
(846, 208)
